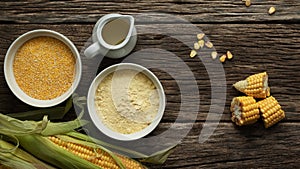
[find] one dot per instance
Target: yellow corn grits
(44, 68)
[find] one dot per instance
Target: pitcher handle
(92, 50)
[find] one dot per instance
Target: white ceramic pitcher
(101, 47)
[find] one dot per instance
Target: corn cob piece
(244, 110)
(254, 85)
(271, 111)
(72, 154)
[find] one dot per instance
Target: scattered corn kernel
(214, 55)
(200, 36)
(271, 111)
(44, 68)
(272, 10)
(229, 55)
(209, 44)
(223, 58)
(193, 53)
(244, 110)
(254, 85)
(248, 3)
(201, 43)
(196, 46)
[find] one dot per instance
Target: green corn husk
(12, 126)
(45, 150)
(30, 135)
(15, 158)
(33, 137)
(48, 151)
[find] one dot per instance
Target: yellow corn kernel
(254, 85)
(96, 156)
(223, 58)
(201, 43)
(248, 3)
(229, 55)
(214, 55)
(196, 46)
(200, 36)
(193, 53)
(271, 111)
(244, 110)
(272, 10)
(209, 44)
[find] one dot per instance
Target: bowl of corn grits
(42, 68)
(126, 101)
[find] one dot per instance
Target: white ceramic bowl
(97, 120)
(9, 75)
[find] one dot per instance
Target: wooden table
(259, 42)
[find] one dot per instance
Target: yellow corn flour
(127, 101)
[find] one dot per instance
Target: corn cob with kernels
(244, 110)
(254, 85)
(271, 111)
(70, 153)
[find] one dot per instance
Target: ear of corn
(68, 153)
(35, 137)
(244, 110)
(45, 149)
(122, 161)
(254, 85)
(156, 158)
(271, 111)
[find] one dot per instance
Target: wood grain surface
(258, 41)
(43, 11)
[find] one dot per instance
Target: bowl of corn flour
(126, 101)
(42, 68)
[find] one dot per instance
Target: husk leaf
(12, 126)
(63, 127)
(10, 161)
(19, 158)
(159, 157)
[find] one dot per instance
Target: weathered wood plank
(235, 147)
(79, 11)
(256, 48)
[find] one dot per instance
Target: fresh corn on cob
(244, 110)
(72, 153)
(271, 111)
(96, 156)
(255, 85)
